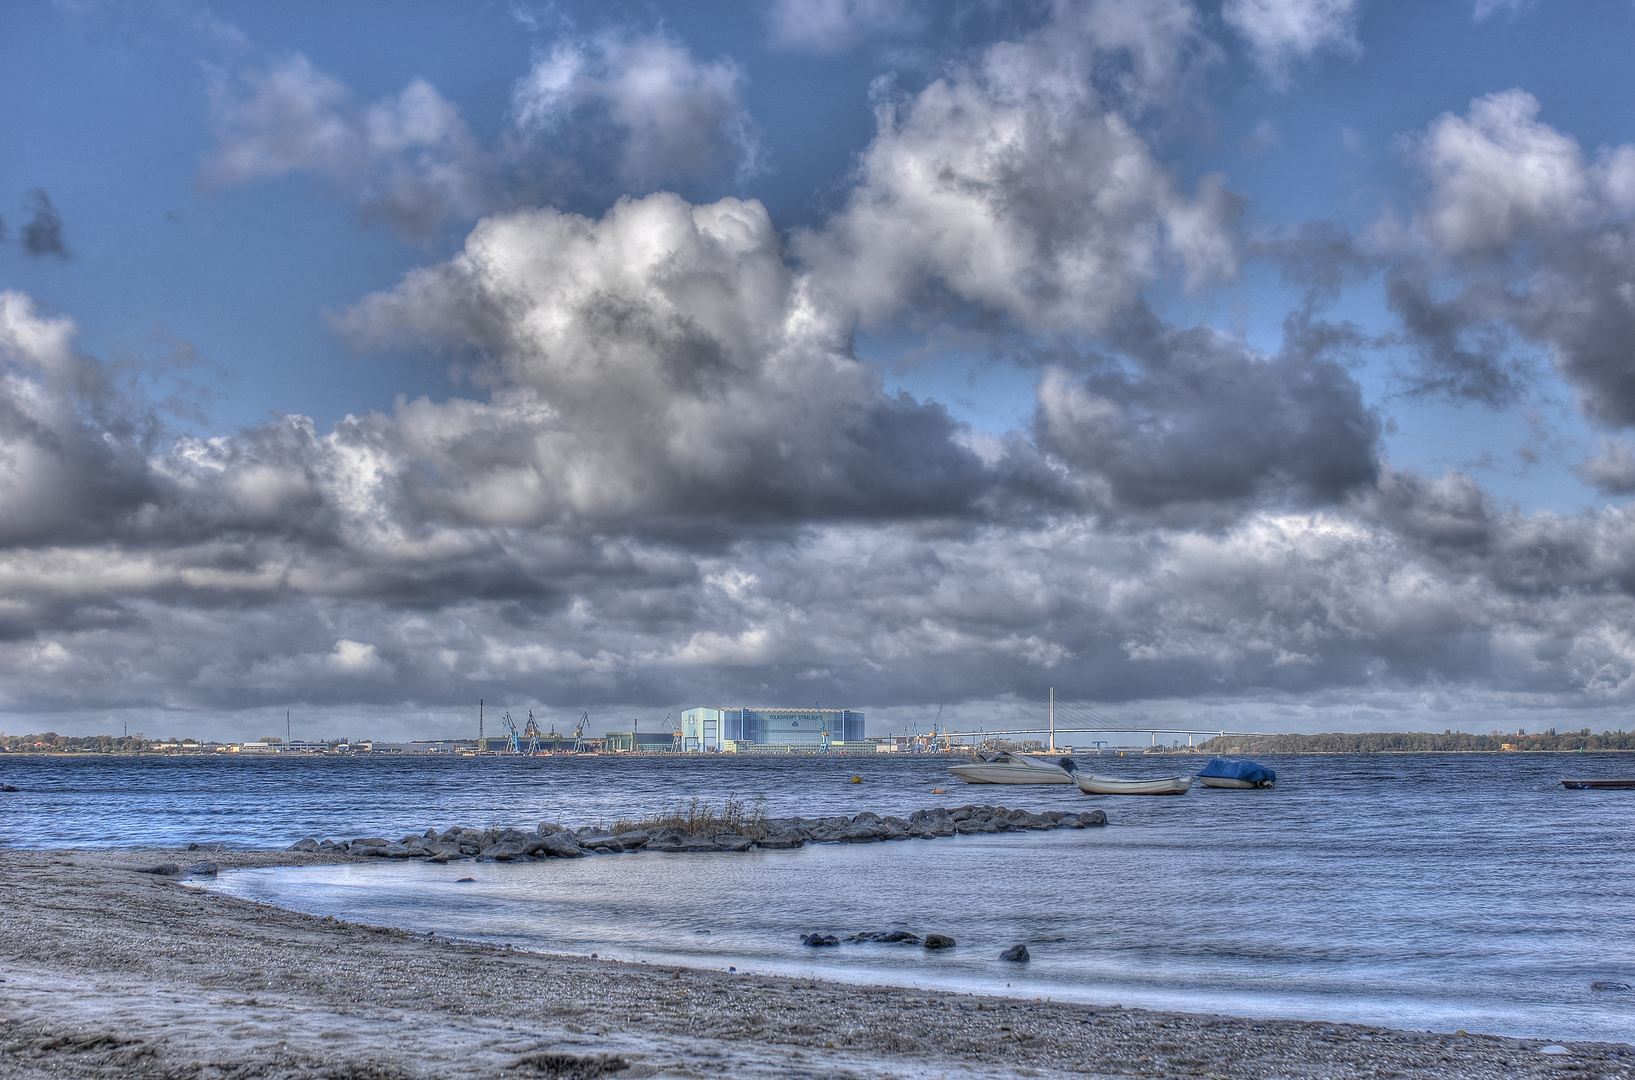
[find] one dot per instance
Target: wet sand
(109, 972)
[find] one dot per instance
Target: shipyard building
(772, 731)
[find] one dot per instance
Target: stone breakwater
(551, 840)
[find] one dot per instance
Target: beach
(113, 972)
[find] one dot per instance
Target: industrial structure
(773, 731)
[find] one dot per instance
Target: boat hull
(1008, 774)
(1229, 782)
(1617, 784)
(1110, 785)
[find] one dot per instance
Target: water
(1420, 891)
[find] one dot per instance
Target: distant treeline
(1385, 742)
(51, 742)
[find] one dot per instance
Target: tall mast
(479, 724)
(1052, 719)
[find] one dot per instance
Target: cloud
(661, 361)
(1010, 184)
(1612, 472)
(1522, 237)
(408, 160)
(643, 103)
(68, 463)
(1284, 33)
(42, 235)
(832, 26)
(1197, 423)
(1484, 9)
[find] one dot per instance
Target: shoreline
(109, 969)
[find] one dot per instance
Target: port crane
(531, 729)
(579, 733)
(514, 738)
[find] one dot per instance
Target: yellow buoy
(857, 779)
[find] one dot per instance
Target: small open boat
(1008, 768)
(1112, 785)
(1220, 773)
(1598, 785)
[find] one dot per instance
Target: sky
(1252, 365)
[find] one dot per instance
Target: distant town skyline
(1253, 365)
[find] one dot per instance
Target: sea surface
(1438, 892)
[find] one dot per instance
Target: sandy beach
(112, 972)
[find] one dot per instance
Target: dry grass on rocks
(699, 818)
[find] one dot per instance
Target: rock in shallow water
(819, 941)
(887, 937)
(309, 844)
(1016, 954)
(938, 941)
(203, 869)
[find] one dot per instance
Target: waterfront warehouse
(747, 730)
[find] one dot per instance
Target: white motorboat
(1114, 785)
(1009, 768)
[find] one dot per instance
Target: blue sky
(263, 212)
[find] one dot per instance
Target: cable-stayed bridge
(1079, 718)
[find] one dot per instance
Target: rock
(561, 845)
(732, 842)
(330, 845)
(888, 937)
(309, 844)
(1092, 818)
(1016, 954)
(368, 842)
(972, 825)
(548, 828)
(203, 869)
(1616, 986)
(819, 941)
(163, 869)
(192, 847)
(938, 941)
(504, 851)
(464, 880)
(1554, 1048)
(9, 787)
(783, 840)
(861, 834)
(633, 839)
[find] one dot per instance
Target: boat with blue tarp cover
(1220, 773)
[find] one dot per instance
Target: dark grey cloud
(1464, 351)
(42, 235)
(1194, 422)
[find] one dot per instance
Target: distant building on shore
(772, 731)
